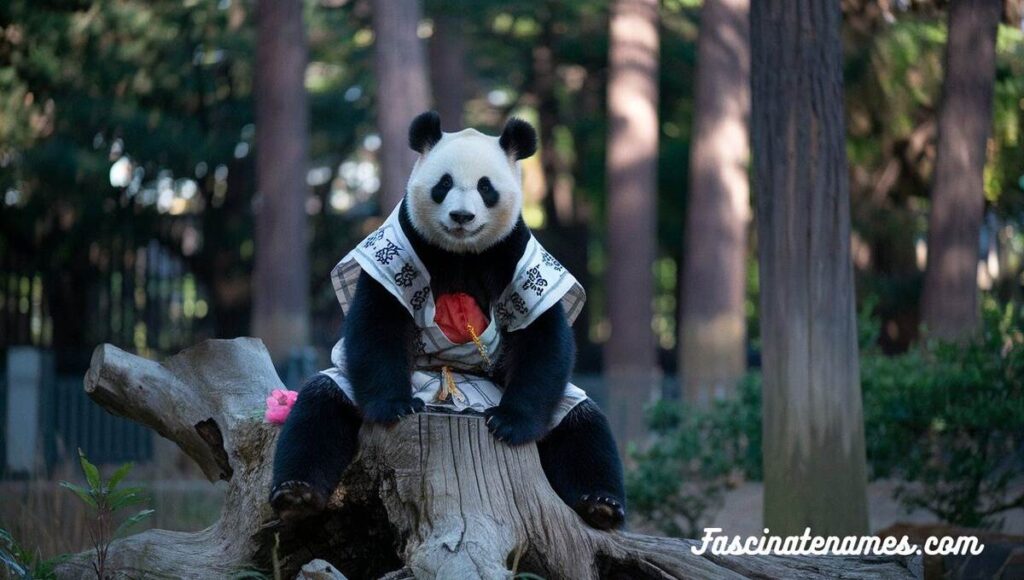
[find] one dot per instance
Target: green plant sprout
(107, 501)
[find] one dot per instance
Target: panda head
(465, 193)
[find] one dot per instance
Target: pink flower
(279, 404)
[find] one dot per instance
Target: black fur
(582, 463)
(518, 139)
(379, 334)
(316, 444)
(487, 192)
(579, 456)
(441, 188)
(425, 131)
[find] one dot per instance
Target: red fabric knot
(455, 313)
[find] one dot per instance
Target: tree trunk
(448, 69)
(559, 209)
(815, 472)
(950, 299)
(280, 283)
(402, 91)
(712, 353)
(436, 496)
(630, 356)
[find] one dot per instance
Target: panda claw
(295, 501)
(601, 511)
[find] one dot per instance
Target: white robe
(539, 283)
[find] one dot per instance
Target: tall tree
(950, 300)
(815, 467)
(448, 69)
(629, 355)
(402, 91)
(712, 354)
(280, 287)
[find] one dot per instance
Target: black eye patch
(487, 192)
(441, 188)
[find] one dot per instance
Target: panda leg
(316, 444)
(582, 463)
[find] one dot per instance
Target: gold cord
(449, 390)
(479, 345)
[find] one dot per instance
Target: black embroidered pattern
(373, 238)
(419, 298)
(551, 262)
(386, 254)
(504, 316)
(420, 346)
(406, 275)
(518, 303)
(534, 281)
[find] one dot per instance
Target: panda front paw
(390, 411)
(601, 511)
(514, 426)
(294, 501)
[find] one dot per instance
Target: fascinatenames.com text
(809, 545)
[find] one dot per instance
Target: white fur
(467, 156)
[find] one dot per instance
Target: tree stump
(436, 496)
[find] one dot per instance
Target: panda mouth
(462, 233)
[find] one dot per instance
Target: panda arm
(379, 335)
(536, 364)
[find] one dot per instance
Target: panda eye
(440, 191)
(487, 192)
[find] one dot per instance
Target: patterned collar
(539, 282)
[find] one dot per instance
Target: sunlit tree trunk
(402, 91)
(814, 461)
(712, 354)
(280, 286)
(629, 355)
(950, 300)
(448, 69)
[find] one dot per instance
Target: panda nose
(461, 217)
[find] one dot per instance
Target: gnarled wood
(434, 497)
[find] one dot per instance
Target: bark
(448, 69)
(950, 298)
(280, 285)
(713, 322)
(630, 353)
(433, 497)
(815, 472)
(402, 91)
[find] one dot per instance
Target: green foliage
(949, 420)
(945, 419)
(23, 563)
(679, 481)
(107, 501)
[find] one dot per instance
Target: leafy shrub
(948, 420)
(679, 481)
(945, 419)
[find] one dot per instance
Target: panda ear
(518, 139)
(425, 131)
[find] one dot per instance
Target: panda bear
(452, 305)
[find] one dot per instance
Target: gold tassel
(449, 390)
(479, 345)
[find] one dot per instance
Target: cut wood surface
(436, 496)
